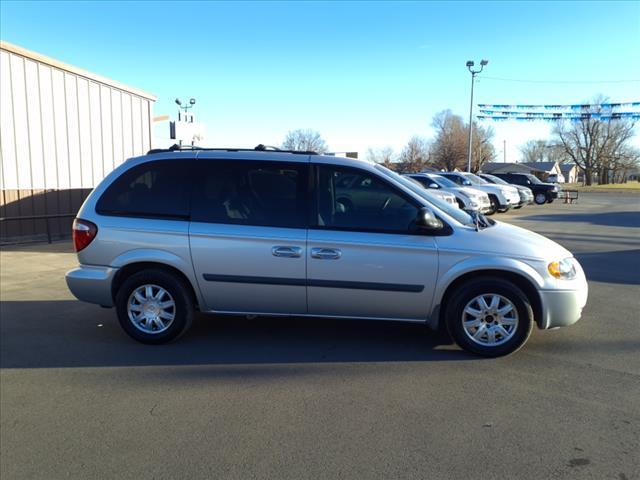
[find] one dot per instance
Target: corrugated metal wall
(61, 132)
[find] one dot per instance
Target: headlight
(564, 269)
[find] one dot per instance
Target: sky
(363, 74)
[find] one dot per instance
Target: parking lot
(298, 398)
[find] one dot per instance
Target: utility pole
(470, 64)
(504, 151)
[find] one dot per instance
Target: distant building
(63, 130)
(542, 170)
(570, 172)
(500, 167)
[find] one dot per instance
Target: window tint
(154, 189)
(251, 193)
(424, 181)
(366, 203)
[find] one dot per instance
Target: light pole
(470, 65)
(186, 106)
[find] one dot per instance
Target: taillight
(83, 233)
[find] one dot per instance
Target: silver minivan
(255, 232)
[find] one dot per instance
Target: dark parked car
(526, 195)
(542, 192)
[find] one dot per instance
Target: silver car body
(505, 193)
(442, 194)
(431, 264)
(470, 198)
(526, 195)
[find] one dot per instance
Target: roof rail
(258, 148)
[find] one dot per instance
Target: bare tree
(598, 147)
(482, 150)
(541, 151)
(305, 140)
(414, 156)
(534, 151)
(383, 156)
(449, 148)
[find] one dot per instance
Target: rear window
(159, 189)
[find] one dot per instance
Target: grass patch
(612, 187)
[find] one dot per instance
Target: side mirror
(434, 185)
(426, 220)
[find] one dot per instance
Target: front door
(248, 235)
(364, 259)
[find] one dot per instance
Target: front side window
(424, 181)
(476, 180)
(533, 179)
(251, 193)
(459, 179)
(154, 189)
(367, 203)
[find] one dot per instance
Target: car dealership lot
(297, 398)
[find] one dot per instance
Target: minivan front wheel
(154, 306)
(489, 316)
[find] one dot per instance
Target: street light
(192, 102)
(470, 65)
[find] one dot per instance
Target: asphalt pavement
(313, 399)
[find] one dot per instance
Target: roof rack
(258, 148)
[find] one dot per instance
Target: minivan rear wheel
(489, 316)
(154, 306)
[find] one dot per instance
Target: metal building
(62, 130)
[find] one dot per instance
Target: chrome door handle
(326, 253)
(287, 252)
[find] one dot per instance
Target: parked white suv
(502, 197)
(255, 232)
(443, 195)
(467, 198)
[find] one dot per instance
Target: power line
(519, 80)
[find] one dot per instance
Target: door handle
(326, 253)
(286, 252)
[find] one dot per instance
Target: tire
(540, 198)
(517, 322)
(173, 309)
(550, 199)
(494, 204)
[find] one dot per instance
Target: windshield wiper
(479, 220)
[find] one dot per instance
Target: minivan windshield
(460, 215)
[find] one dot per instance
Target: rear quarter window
(159, 189)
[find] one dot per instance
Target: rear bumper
(561, 308)
(92, 284)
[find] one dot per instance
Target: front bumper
(561, 308)
(91, 283)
